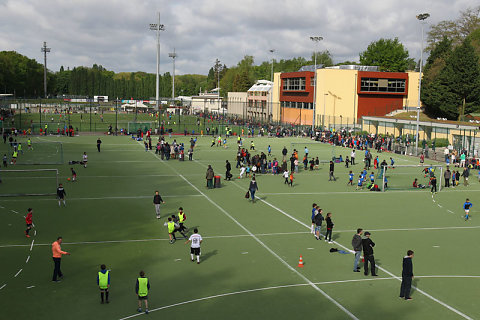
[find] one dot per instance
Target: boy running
(196, 241)
(350, 178)
(103, 282)
(291, 179)
(372, 177)
(171, 230)
(85, 159)
(61, 195)
(181, 219)
(285, 175)
(466, 206)
(29, 222)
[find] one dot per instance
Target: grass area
(250, 251)
(98, 122)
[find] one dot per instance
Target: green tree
(388, 54)
(323, 57)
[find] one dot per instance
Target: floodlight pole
(157, 27)
(316, 40)
(173, 55)
(422, 17)
(45, 50)
(271, 89)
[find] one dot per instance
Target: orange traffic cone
(300, 262)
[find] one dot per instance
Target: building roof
(355, 67)
(310, 67)
(261, 85)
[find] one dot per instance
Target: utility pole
(315, 40)
(45, 50)
(157, 27)
(271, 90)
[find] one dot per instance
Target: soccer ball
(68, 179)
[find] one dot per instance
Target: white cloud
(115, 33)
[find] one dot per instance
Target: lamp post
(422, 17)
(316, 40)
(157, 27)
(173, 55)
(271, 89)
(45, 50)
(324, 104)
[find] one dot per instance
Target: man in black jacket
(357, 247)
(318, 219)
(368, 245)
(332, 168)
(228, 167)
(407, 276)
(157, 199)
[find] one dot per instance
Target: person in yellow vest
(20, 149)
(29, 144)
(14, 157)
(213, 142)
(103, 281)
(170, 224)
(252, 145)
(141, 289)
(46, 129)
(181, 219)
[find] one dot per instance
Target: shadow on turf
(209, 254)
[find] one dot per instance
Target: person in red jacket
(29, 222)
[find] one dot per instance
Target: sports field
(250, 250)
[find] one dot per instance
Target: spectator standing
(447, 176)
(99, 142)
(157, 200)
(253, 188)
(465, 175)
(328, 234)
(209, 176)
(57, 258)
(407, 276)
(368, 245)
(352, 157)
(332, 169)
(357, 247)
(318, 223)
(228, 168)
(103, 282)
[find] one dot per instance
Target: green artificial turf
(250, 251)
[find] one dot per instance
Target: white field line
(282, 287)
(31, 246)
(4, 285)
(30, 287)
(28, 258)
(17, 273)
(110, 198)
(236, 236)
(351, 315)
(14, 211)
(379, 267)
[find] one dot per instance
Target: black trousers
(434, 188)
(447, 182)
(352, 160)
(405, 287)
(369, 258)
(56, 271)
(98, 147)
(328, 234)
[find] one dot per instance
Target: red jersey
(28, 218)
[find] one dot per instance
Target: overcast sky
(116, 35)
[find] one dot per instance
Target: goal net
(133, 127)
(402, 177)
(41, 152)
(35, 182)
(324, 152)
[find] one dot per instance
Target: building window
(382, 85)
(294, 84)
(312, 81)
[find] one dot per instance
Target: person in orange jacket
(57, 258)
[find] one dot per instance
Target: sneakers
(146, 311)
(198, 262)
(330, 242)
(407, 299)
(139, 309)
(29, 236)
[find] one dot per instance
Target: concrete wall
(236, 102)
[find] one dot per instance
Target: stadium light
(315, 40)
(173, 55)
(421, 17)
(45, 50)
(157, 27)
(272, 51)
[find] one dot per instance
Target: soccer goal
(401, 177)
(133, 126)
(323, 151)
(35, 182)
(40, 153)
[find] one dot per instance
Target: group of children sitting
(362, 180)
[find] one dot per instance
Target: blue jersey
(364, 173)
(392, 162)
(313, 213)
(350, 176)
(269, 149)
(467, 205)
(360, 181)
(372, 177)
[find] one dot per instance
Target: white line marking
(28, 258)
(17, 273)
(244, 252)
(113, 198)
(35, 233)
(30, 287)
(450, 211)
(31, 246)
(177, 260)
(4, 285)
(351, 315)
(2, 207)
(280, 287)
(310, 248)
(439, 205)
(436, 246)
(14, 211)
(381, 268)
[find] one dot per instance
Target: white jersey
(195, 239)
(85, 158)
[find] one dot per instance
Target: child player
(61, 195)
(29, 222)
(372, 177)
(196, 241)
(466, 206)
(103, 282)
(85, 159)
(350, 178)
(74, 175)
